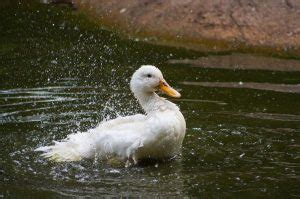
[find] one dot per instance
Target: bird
(157, 134)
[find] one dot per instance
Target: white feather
(158, 134)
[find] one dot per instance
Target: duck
(157, 134)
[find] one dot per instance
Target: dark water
(61, 74)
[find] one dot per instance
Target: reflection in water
(242, 62)
(60, 75)
(200, 101)
(286, 88)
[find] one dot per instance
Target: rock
(269, 26)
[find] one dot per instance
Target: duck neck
(148, 101)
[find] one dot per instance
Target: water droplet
(53, 62)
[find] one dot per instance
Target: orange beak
(164, 87)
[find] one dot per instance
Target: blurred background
(66, 65)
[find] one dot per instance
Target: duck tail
(70, 149)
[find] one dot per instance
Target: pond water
(61, 74)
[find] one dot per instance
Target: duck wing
(120, 137)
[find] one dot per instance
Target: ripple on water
(35, 104)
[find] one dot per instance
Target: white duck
(156, 135)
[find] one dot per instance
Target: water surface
(61, 74)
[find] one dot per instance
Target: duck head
(148, 79)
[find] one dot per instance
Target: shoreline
(132, 19)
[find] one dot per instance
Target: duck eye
(149, 75)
